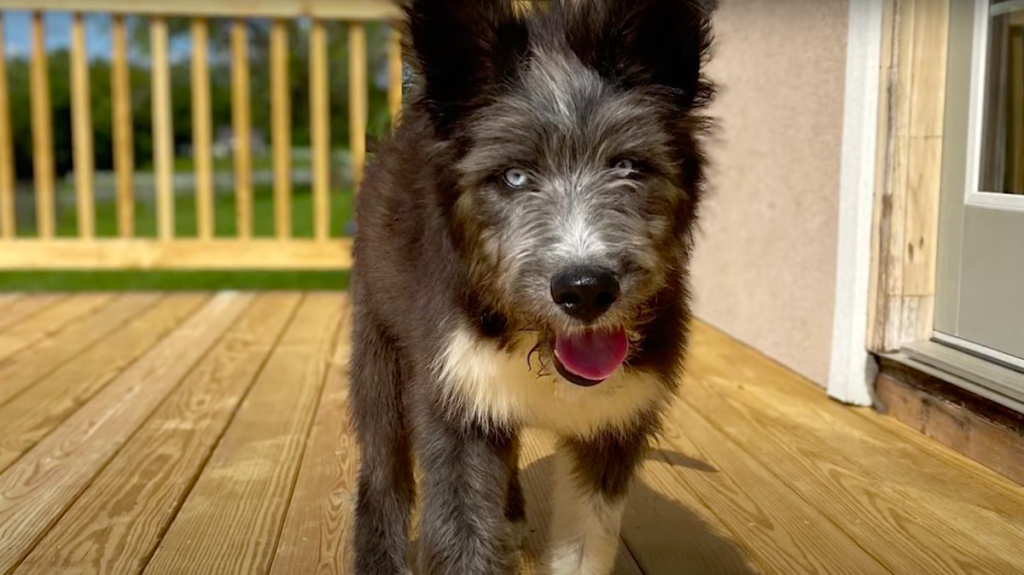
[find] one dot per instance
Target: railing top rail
(350, 10)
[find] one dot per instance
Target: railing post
(81, 119)
(202, 129)
(163, 130)
(281, 110)
(123, 130)
(357, 101)
(42, 130)
(242, 121)
(8, 214)
(320, 130)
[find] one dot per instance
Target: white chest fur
(500, 386)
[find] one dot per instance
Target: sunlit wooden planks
(202, 128)
(8, 215)
(163, 130)
(181, 254)
(109, 343)
(241, 119)
(320, 130)
(42, 130)
(230, 521)
(348, 10)
(35, 491)
(172, 447)
(123, 130)
(281, 119)
(316, 532)
(82, 130)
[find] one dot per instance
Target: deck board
(39, 487)
(47, 323)
(151, 475)
(31, 416)
(200, 433)
(854, 493)
(232, 518)
(318, 526)
(25, 307)
(26, 368)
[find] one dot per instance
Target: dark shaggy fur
(596, 103)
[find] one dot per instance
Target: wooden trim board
(358, 10)
(179, 254)
(904, 250)
(975, 427)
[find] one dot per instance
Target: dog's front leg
(592, 482)
(467, 473)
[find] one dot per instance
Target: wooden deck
(206, 434)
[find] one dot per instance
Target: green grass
(185, 226)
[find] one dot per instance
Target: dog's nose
(585, 293)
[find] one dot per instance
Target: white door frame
(852, 369)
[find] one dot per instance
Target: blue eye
(626, 165)
(516, 178)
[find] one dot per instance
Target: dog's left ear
(635, 43)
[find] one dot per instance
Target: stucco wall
(765, 265)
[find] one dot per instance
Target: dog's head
(573, 133)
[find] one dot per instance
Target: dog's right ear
(465, 50)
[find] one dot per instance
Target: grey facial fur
(566, 129)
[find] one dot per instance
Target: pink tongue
(593, 355)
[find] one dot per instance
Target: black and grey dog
(521, 260)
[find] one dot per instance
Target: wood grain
(963, 494)
(152, 474)
(24, 369)
(8, 215)
(232, 517)
(351, 10)
(82, 131)
(281, 112)
(320, 130)
(44, 406)
(27, 306)
(163, 128)
(954, 423)
(202, 128)
(318, 529)
(42, 130)
(879, 514)
(123, 128)
(187, 254)
(49, 322)
(39, 487)
(9, 299)
(783, 533)
(908, 179)
(241, 122)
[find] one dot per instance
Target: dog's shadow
(664, 535)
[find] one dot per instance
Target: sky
(18, 35)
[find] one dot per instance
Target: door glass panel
(1002, 157)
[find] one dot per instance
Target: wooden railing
(205, 250)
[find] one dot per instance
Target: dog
(521, 260)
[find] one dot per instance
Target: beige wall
(765, 264)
